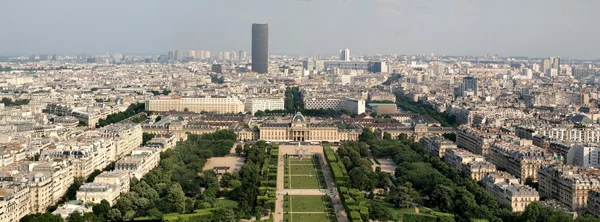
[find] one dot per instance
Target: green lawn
(305, 182)
(302, 169)
(307, 204)
(226, 203)
(312, 217)
(307, 161)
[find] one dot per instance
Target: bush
(412, 217)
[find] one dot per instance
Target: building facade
(255, 104)
(300, 128)
(215, 104)
(568, 184)
(508, 190)
(356, 106)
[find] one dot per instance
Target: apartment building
(41, 191)
(120, 179)
(356, 106)
(214, 104)
(15, 200)
(571, 133)
(509, 191)
(139, 163)
(61, 173)
(253, 105)
(585, 155)
(568, 184)
(475, 166)
(474, 140)
(437, 146)
(593, 206)
(96, 192)
(520, 161)
(125, 136)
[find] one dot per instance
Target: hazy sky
(457, 27)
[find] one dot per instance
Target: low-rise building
(96, 192)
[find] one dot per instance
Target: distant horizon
(298, 55)
(535, 28)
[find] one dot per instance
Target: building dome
(298, 118)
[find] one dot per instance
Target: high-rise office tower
(170, 56)
(178, 55)
(345, 54)
(470, 85)
(191, 54)
(242, 55)
(554, 62)
(226, 56)
(260, 48)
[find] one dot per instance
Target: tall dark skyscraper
(260, 48)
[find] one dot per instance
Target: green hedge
(443, 217)
(204, 215)
(412, 217)
(355, 216)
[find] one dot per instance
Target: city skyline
(395, 27)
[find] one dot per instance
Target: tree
(380, 213)
(75, 217)
(259, 113)
(186, 109)
(180, 118)
(399, 196)
(147, 137)
(45, 217)
(129, 215)
(362, 179)
(387, 136)
(114, 215)
(175, 199)
(155, 213)
(224, 215)
(442, 197)
(234, 184)
(238, 149)
(367, 135)
(101, 209)
(158, 118)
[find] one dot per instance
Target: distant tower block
(260, 48)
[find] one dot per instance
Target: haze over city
(456, 27)
(299, 111)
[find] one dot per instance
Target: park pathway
(278, 215)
